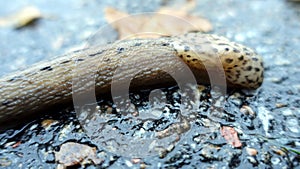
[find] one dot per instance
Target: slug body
(50, 83)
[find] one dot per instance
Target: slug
(48, 84)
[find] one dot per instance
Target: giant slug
(49, 83)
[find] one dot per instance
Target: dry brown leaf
(166, 21)
(22, 18)
(231, 136)
(199, 23)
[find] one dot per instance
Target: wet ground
(266, 120)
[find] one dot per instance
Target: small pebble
(279, 105)
(287, 112)
(109, 110)
(293, 125)
(247, 110)
(251, 151)
(278, 151)
(234, 98)
(197, 139)
(9, 144)
(33, 127)
(265, 116)
(252, 160)
(275, 160)
(162, 153)
(143, 166)
(48, 123)
(135, 160)
(128, 163)
(277, 80)
(170, 147)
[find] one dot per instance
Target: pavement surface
(267, 120)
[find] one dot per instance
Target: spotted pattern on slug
(242, 65)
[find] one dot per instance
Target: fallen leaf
(166, 21)
(71, 154)
(230, 135)
(25, 17)
(201, 24)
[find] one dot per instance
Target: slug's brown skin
(49, 84)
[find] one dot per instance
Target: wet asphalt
(271, 27)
